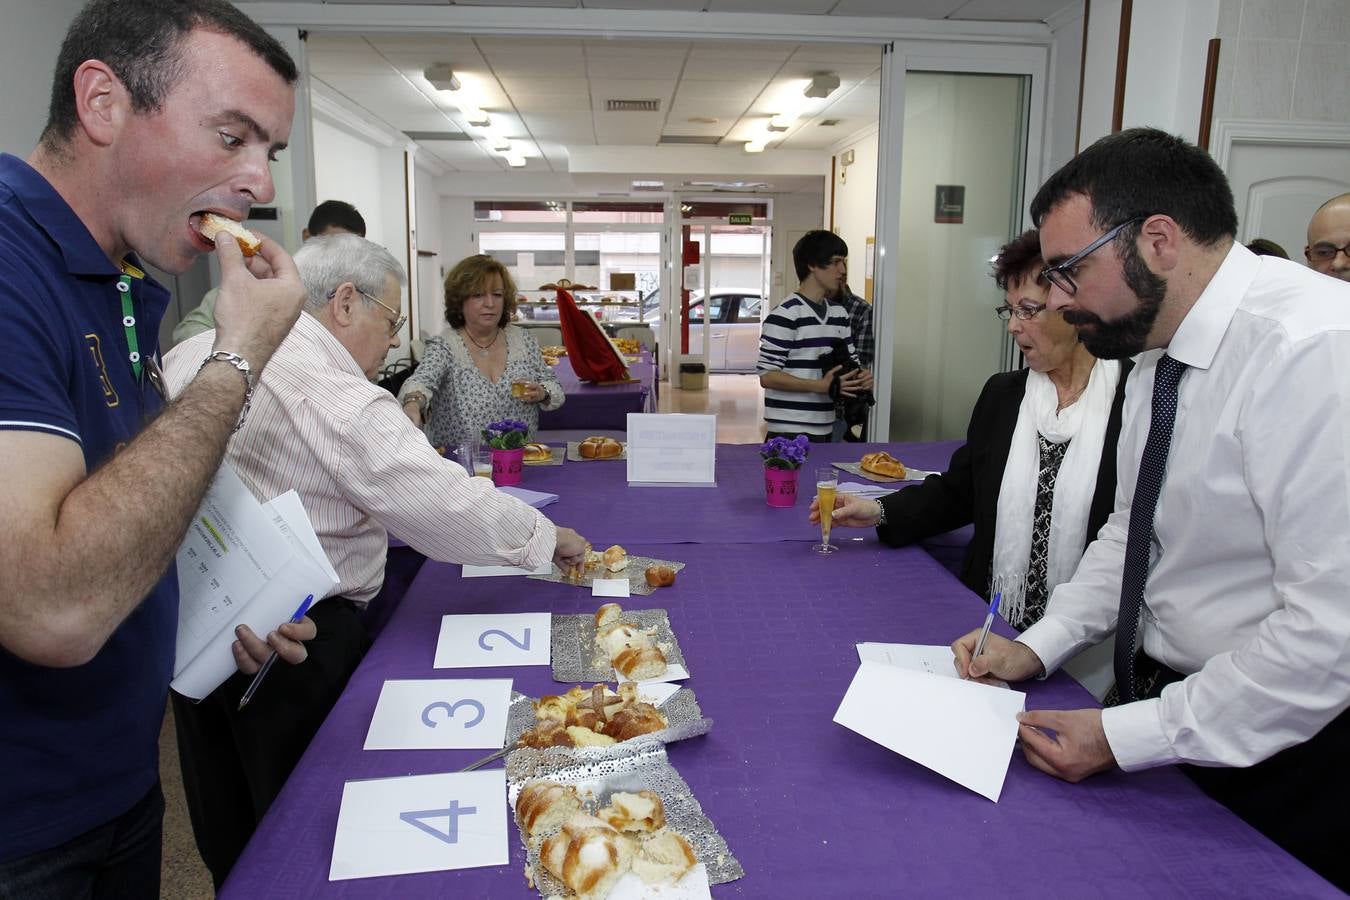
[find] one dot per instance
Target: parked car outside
(734, 316)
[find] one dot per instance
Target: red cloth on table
(593, 355)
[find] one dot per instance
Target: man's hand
(822, 384)
(258, 302)
(1078, 748)
(1001, 659)
(570, 549)
(850, 511)
(250, 653)
(855, 382)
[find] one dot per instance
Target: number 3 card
(499, 639)
(423, 823)
(443, 714)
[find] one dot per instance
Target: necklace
(483, 348)
(1069, 401)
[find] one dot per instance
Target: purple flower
(507, 434)
(782, 453)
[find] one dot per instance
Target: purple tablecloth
(811, 809)
(602, 407)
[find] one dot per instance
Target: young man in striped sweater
(797, 333)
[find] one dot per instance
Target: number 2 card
(497, 639)
(440, 714)
(422, 823)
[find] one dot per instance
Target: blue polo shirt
(78, 746)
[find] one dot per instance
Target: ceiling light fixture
(441, 77)
(501, 144)
(822, 85)
(515, 160)
(756, 146)
(475, 116)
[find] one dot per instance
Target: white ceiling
(549, 94)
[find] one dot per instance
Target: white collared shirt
(1249, 592)
(362, 470)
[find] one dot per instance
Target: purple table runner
(602, 407)
(810, 808)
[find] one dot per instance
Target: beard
(1127, 335)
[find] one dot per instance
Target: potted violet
(783, 459)
(507, 440)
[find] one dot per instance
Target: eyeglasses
(1059, 275)
(1324, 252)
(1024, 312)
(399, 318)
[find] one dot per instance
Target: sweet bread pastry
(634, 721)
(596, 447)
(882, 463)
(615, 558)
(640, 812)
(212, 225)
(544, 805)
(538, 453)
(592, 717)
(664, 857)
(660, 576)
(587, 856)
(640, 662)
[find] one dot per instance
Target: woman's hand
(850, 511)
(532, 392)
(412, 408)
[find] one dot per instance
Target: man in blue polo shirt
(159, 113)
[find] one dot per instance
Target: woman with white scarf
(1037, 475)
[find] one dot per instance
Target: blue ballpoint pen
(988, 623)
(271, 660)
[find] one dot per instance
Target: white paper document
(671, 449)
(422, 823)
(440, 714)
(960, 729)
(494, 639)
(934, 659)
(609, 587)
(241, 563)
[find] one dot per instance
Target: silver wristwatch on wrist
(881, 513)
(234, 359)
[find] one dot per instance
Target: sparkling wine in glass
(826, 483)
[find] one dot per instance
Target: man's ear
(1160, 242)
(343, 305)
(101, 101)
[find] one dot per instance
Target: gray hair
(329, 261)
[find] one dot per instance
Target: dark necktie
(1134, 575)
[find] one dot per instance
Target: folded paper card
(537, 499)
(960, 729)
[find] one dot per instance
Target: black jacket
(968, 491)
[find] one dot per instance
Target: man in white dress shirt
(362, 471)
(1243, 665)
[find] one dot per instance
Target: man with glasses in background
(362, 471)
(1225, 569)
(1328, 249)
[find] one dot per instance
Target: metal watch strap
(881, 513)
(234, 359)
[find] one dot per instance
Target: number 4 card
(499, 639)
(423, 823)
(440, 714)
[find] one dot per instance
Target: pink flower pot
(506, 466)
(780, 486)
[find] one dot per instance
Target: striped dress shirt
(362, 470)
(792, 340)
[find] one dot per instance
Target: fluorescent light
(755, 146)
(501, 144)
(515, 160)
(782, 122)
(475, 116)
(441, 77)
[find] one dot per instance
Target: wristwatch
(881, 513)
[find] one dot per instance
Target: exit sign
(740, 219)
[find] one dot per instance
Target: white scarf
(1084, 424)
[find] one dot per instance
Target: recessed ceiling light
(702, 120)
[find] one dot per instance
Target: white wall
(1061, 119)
(27, 62)
(1165, 77)
(855, 203)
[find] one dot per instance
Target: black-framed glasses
(399, 318)
(1025, 312)
(1320, 253)
(1059, 276)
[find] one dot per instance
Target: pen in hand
(272, 657)
(984, 632)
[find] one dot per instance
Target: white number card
(440, 714)
(423, 823)
(672, 449)
(497, 639)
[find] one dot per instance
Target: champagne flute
(827, 480)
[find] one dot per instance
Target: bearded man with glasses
(363, 472)
(1224, 570)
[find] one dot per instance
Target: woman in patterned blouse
(1037, 475)
(466, 375)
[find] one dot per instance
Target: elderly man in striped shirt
(363, 471)
(797, 333)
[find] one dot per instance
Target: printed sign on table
(672, 449)
(494, 639)
(440, 714)
(422, 823)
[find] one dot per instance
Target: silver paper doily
(681, 710)
(576, 657)
(911, 474)
(636, 573)
(642, 765)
